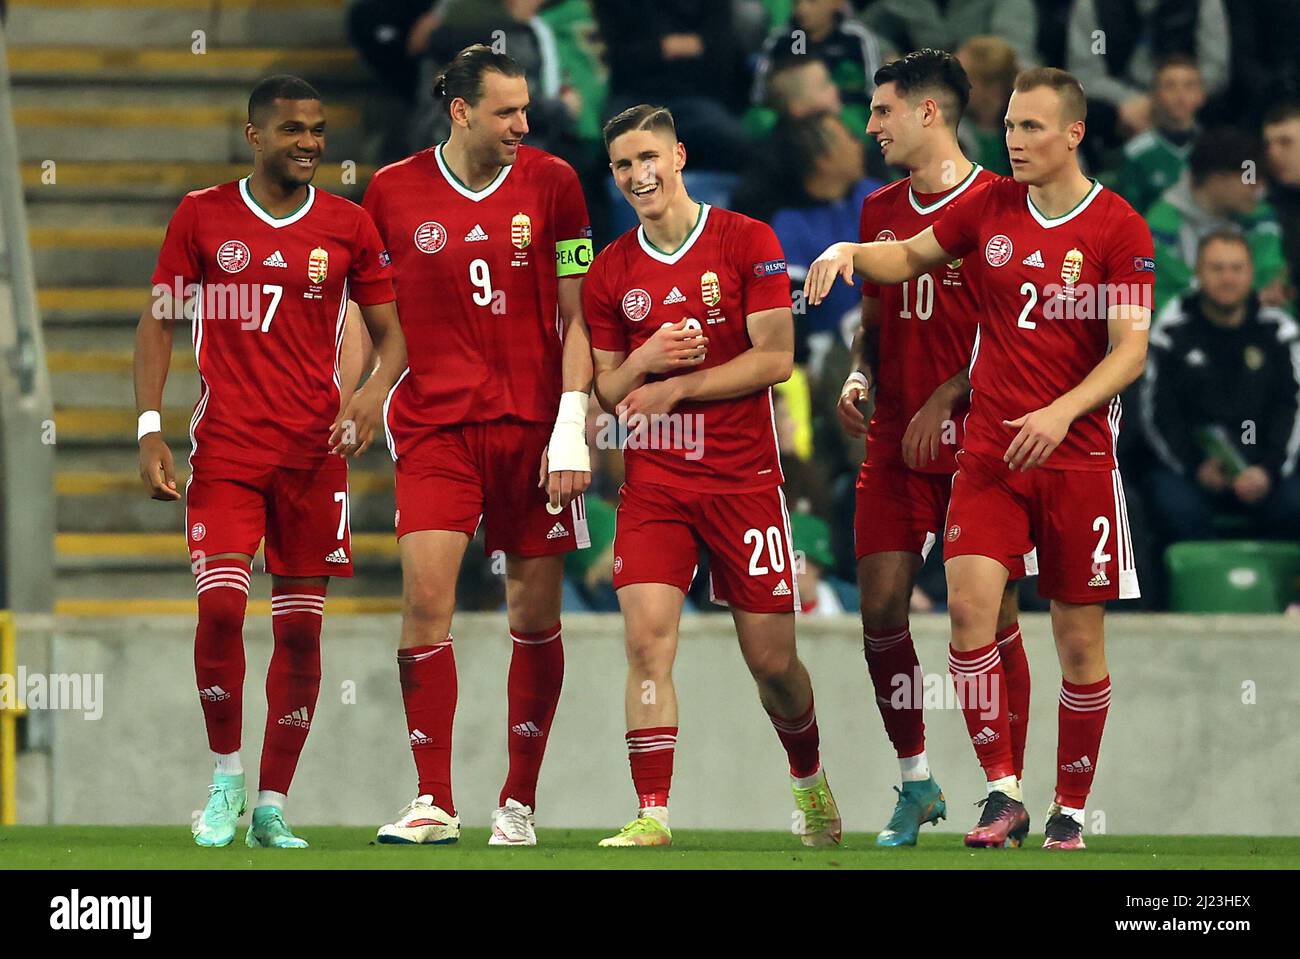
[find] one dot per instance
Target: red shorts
(1076, 518)
(902, 510)
(302, 513)
(452, 477)
(661, 528)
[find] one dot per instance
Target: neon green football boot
(269, 831)
(818, 817)
(642, 831)
(227, 800)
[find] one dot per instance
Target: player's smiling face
(1040, 141)
(290, 140)
(498, 123)
(647, 166)
(894, 125)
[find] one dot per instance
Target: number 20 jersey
(477, 287)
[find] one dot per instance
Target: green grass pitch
(348, 847)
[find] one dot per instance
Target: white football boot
(421, 823)
(513, 825)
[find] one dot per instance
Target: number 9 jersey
(477, 287)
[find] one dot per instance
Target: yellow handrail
(9, 722)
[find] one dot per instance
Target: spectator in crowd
(1218, 193)
(800, 86)
(1114, 46)
(1282, 151)
(392, 36)
(822, 171)
(906, 25)
(824, 29)
(991, 65)
(812, 564)
(1219, 404)
(1154, 160)
(682, 54)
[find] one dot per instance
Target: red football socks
(532, 691)
(428, 675)
(981, 692)
(650, 753)
(292, 682)
(222, 587)
(890, 653)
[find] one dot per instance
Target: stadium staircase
(117, 117)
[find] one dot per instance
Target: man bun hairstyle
(282, 86)
(643, 116)
(1074, 105)
(933, 73)
(463, 77)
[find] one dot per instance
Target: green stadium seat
(1232, 576)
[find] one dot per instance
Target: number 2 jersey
(268, 319)
(1045, 286)
(728, 267)
(477, 286)
(927, 325)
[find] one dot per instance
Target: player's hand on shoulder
(855, 390)
(157, 469)
(674, 346)
(1041, 432)
(835, 261)
(354, 428)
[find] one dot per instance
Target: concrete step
(324, 67)
(141, 133)
(99, 379)
(78, 466)
(81, 309)
(163, 181)
(94, 255)
(116, 502)
(170, 23)
(93, 426)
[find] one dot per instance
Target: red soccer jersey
(269, 318)
(477, 281)
(1042, 324)
(927, 325)
(729, 267)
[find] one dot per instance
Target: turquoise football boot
(269, 831)
(918, 803)
(227, 800)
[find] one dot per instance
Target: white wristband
(857, 376)
(150, 422)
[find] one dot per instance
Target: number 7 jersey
(477, 286)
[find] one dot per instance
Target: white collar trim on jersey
(277, 222)
(1047, 222)
(461, 188)
(952, 194)
(655, 253)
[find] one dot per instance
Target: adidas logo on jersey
(1083, 765)
(1034, 259)
(674, 297)
(338, 556)
(781, 589)
(557, 532)
(213, 694)
(1099, 580)
(528, 729)
(420, 739)
(476, 234)
(297, 718)
(985, 735)
(275, 259)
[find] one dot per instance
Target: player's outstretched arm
(884, 261)
(565, 469)
(354, 428)
(1041, 431)
(153, 354)
(768, 361)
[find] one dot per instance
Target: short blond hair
(1074, 105)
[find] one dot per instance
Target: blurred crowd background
(1193, 116)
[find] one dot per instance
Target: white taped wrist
(568, 446)
(150, 421)
(858, 377)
